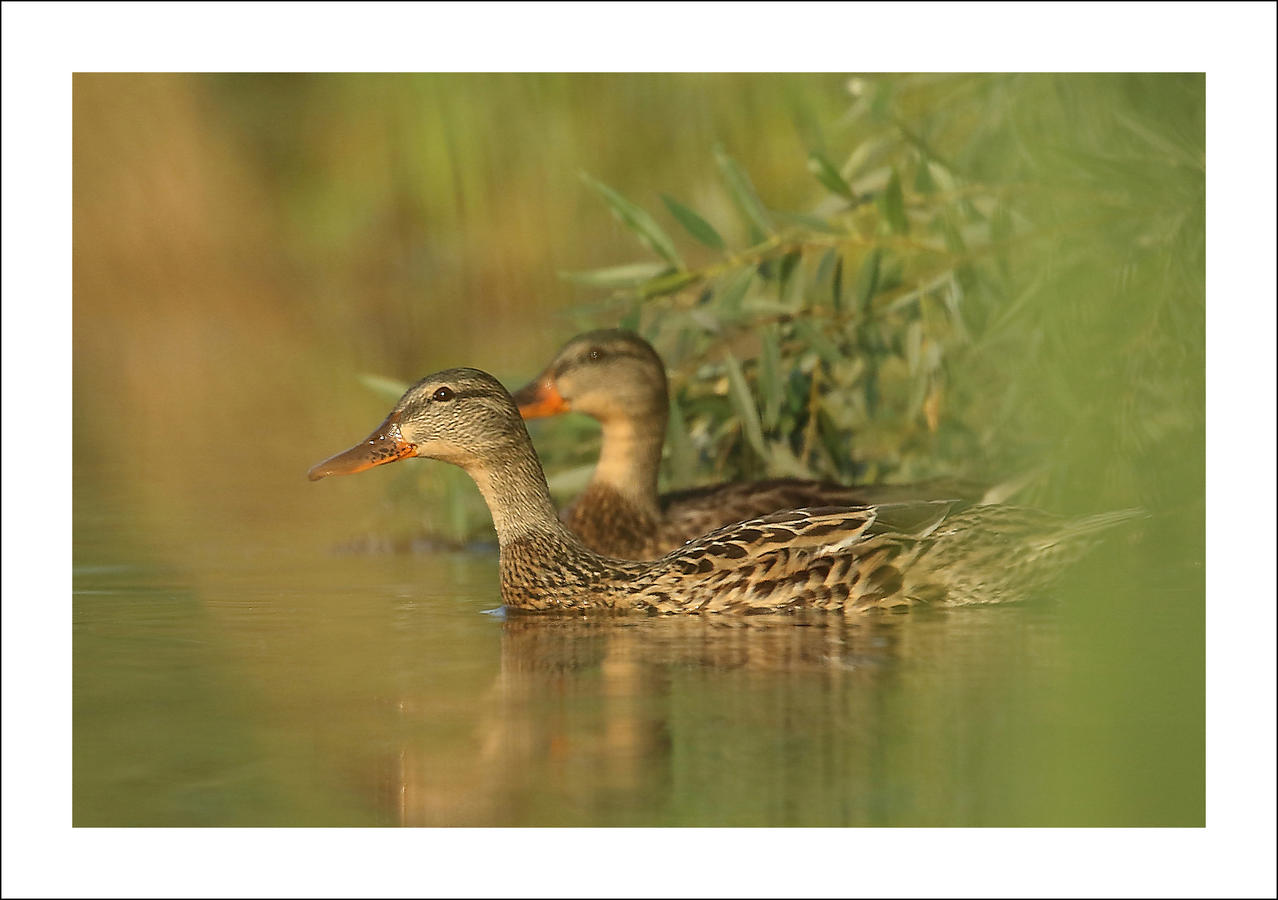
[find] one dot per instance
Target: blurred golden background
(245, 244)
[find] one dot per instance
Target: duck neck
(630, 457)
(544, 566)
(514, 487)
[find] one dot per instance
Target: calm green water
(254, 676)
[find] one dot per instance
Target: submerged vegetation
(995, 275)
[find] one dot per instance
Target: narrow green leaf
(630, 321)
(696, 226)
(881, 102)
(923, 182)
(618, 276)
(836, 287)
(833, 440)
(770, 381)
(797, 387)
(954, 305)
(892, 277)
(734, 290)
(387, 387)
(783, 461)
(819, 341)
(953, 238)
(637, 220)
(743, 403)
(891, 273)
(829, 176)
(707, 319)
(867, 153)
(765, 306)
(681, 453)
(918, 393)
(826, 266)
(1000, 232)
(969, 210)
(667, 284)
(811, 222)
(786, 267)
(855, 368)
(932, 355)
(867, 278)
(892, 205)
(913, 344)
(743, 193)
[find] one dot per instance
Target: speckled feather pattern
(834, 559)
(610, 523)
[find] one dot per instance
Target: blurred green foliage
(989, 275)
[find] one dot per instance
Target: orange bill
(382, 446)
(539, 399)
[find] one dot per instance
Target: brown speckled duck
(842, 558)
(617, 378)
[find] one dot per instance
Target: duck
(617, 378)
(836, 558)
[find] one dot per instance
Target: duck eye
(595, 353)
(442, 394)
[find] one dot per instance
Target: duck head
(608, 375)
(460, 416)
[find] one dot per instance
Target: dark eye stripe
(463, 395)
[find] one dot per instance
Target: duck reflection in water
(614, 720)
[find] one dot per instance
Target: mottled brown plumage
(617, 378)
(832, 558)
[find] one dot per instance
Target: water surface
(259, 676)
